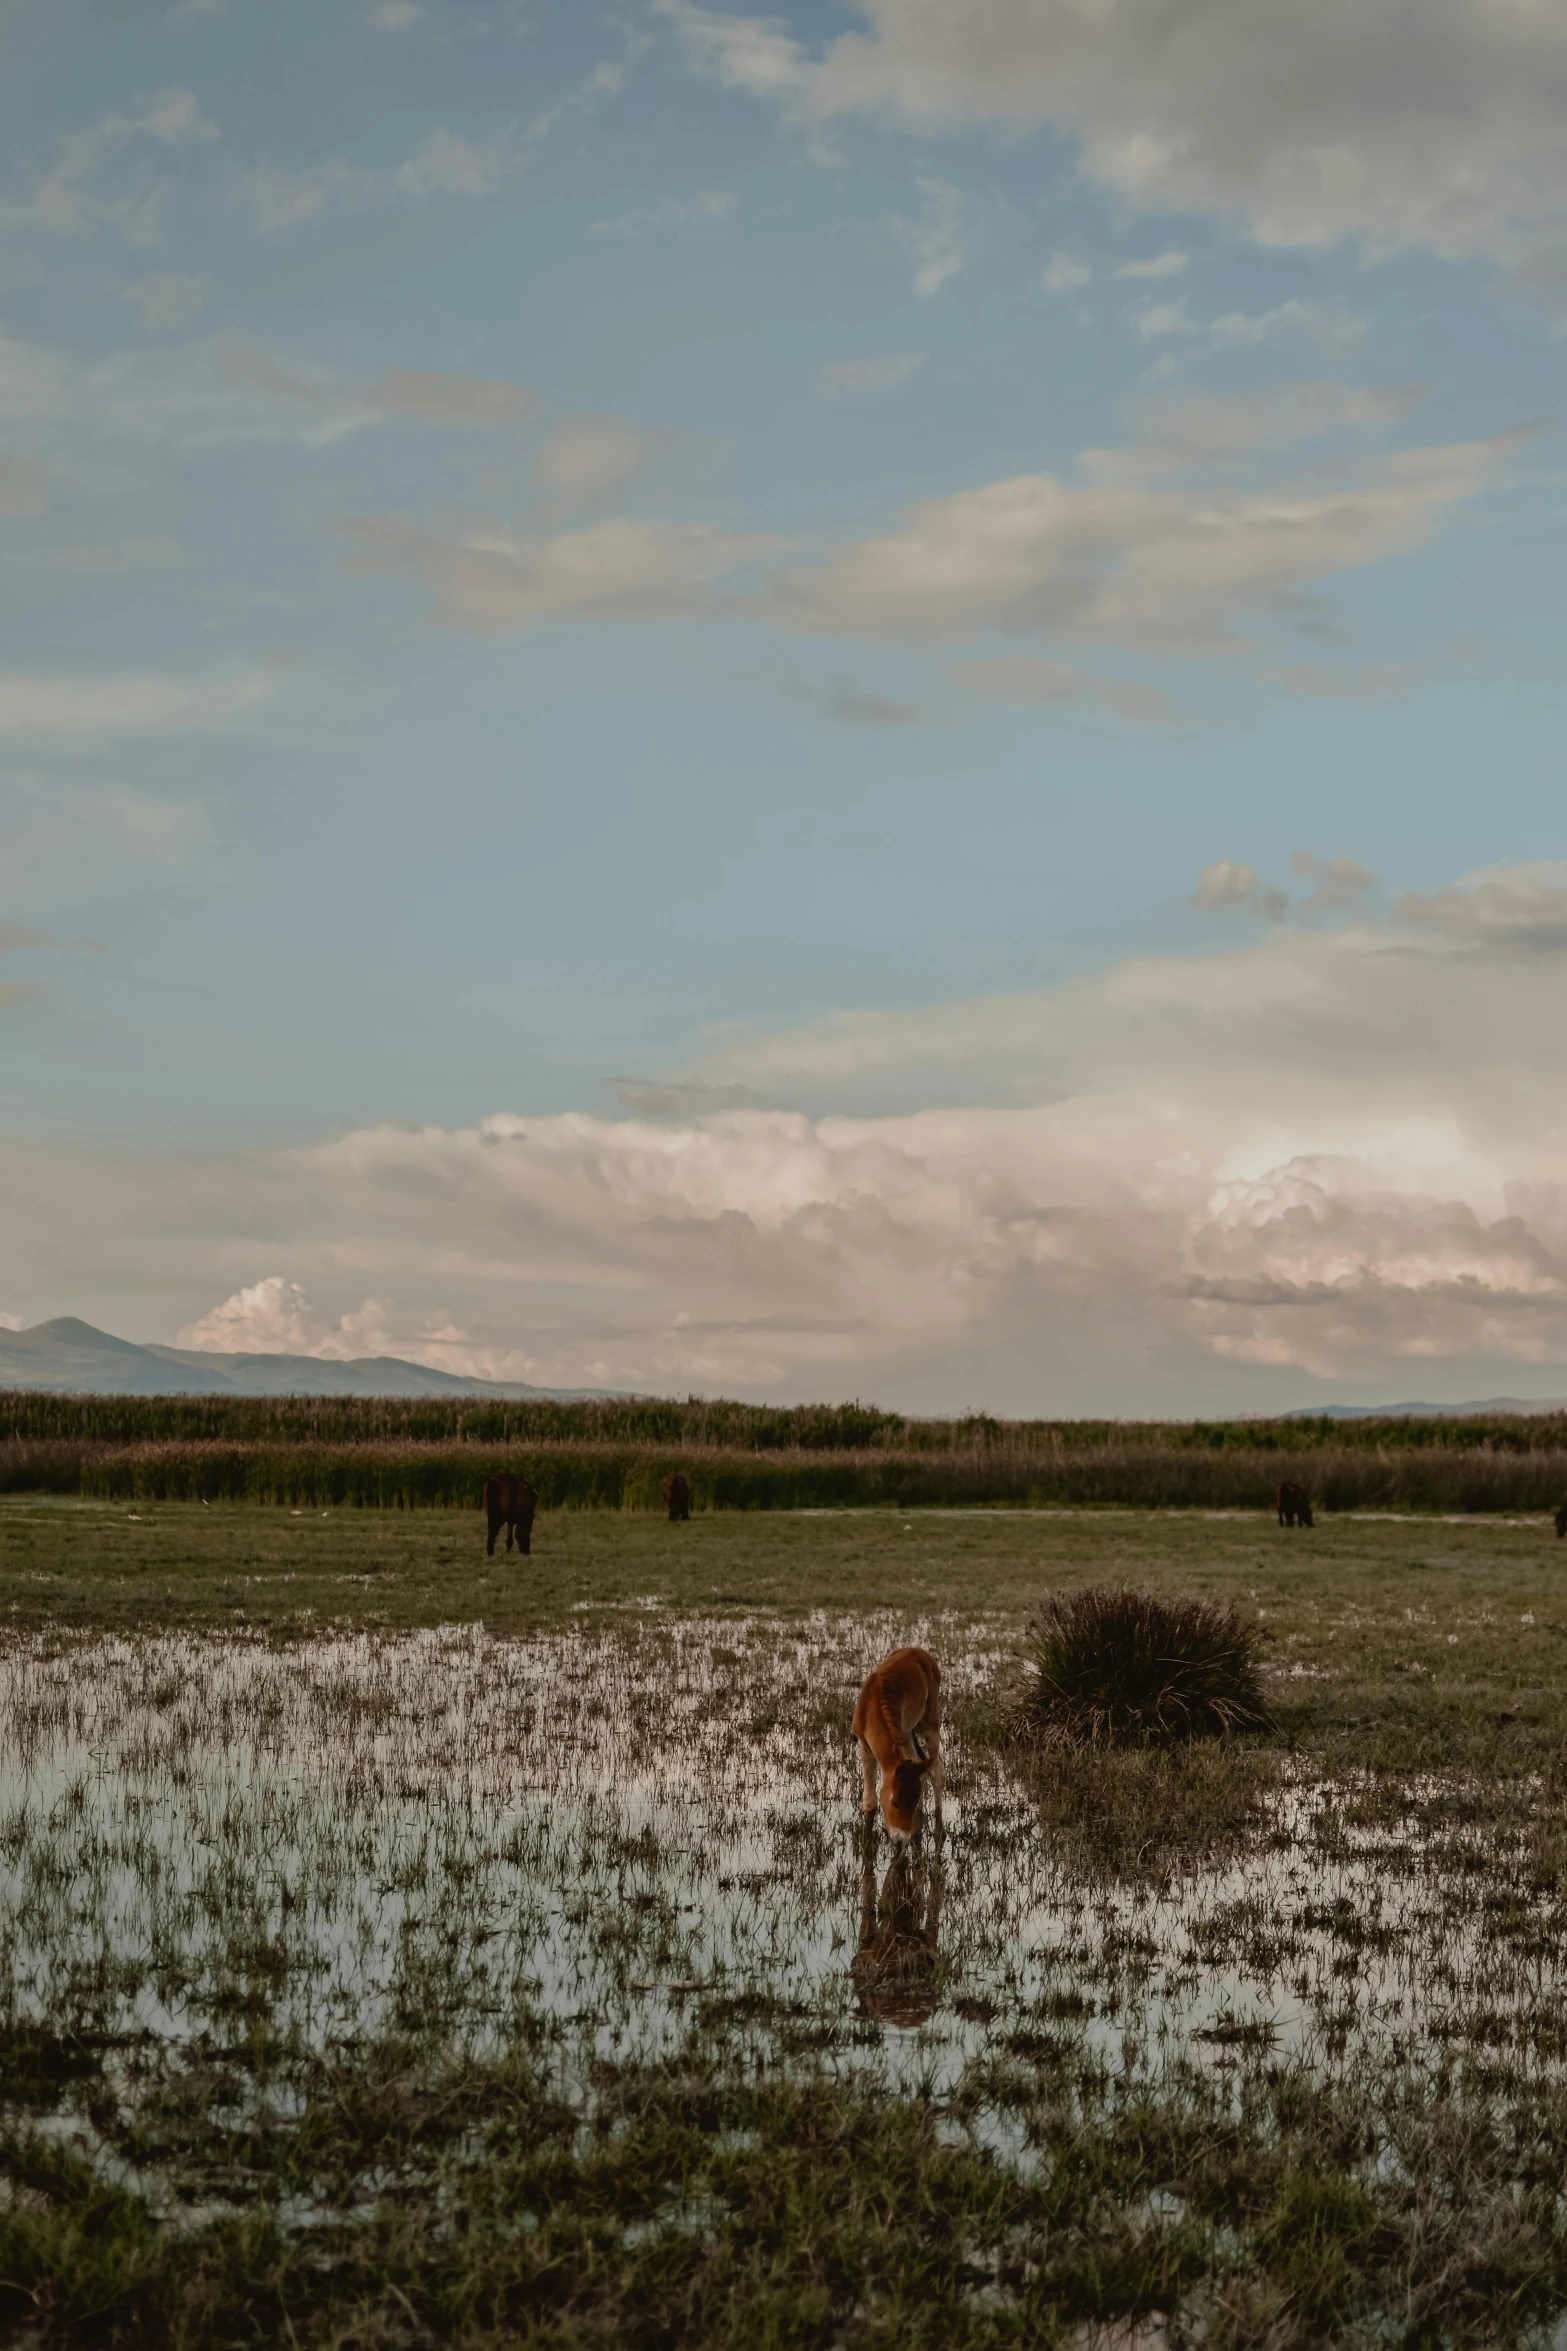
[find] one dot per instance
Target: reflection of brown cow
(897, 1722)
(1561, 1520)
(897, 1968)
(1293, 1504)
(677, 1495)
(510, 1503)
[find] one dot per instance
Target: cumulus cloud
(275, 1317)
(1225, 883)
(1521, 906)
(484, 578)
(1326, 1151)
(858, 379)
(1398, 125)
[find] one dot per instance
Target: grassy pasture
(399, 1947)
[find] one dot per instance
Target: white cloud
(1063, 273)
(1124, 555)
(1519, 906)
(1157, 265)
(89, 706)
(859, 379)
(391, 16)
(275, 1317)
(167, 300)
(1402, 124)
(936, 236)
(69, 200)
(1162, 319)
(1225, 883)
(1172, 543)
(1332, 1151)
(585, 457)
(483, 578)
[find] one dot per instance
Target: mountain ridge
(72, 1357)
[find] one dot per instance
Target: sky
(860, 701)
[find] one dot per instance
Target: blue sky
(676, 603)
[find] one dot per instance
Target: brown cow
(510, 1503)
(677, 1495)
(1561, 1520)
(1293, 1504)
(897, 1722)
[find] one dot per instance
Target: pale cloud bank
(1332, 1152)
(1401, 124)
(1214, 515)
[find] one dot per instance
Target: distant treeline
(332, 1459)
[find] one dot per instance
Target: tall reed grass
(585, 1475)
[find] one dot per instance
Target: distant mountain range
(1490, 1405)
(72, 1357)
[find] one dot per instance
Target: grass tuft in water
(1129, 1669)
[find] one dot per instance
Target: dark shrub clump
(1126, 1669)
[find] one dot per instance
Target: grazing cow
(1293, 1504)
(510, 1503)
(898, 1725)
(677, 1495)
(1561, 1520)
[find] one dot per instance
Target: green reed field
(402, 1947)
(315, 1452)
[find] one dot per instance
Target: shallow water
(628, 1831)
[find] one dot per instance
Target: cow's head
(900, 1798)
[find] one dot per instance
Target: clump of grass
(1122, 1668)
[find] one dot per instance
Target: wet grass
(401, 1948)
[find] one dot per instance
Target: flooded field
(391, 1986)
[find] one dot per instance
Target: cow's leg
(495, 1528)
(868, 1778)
(931, 1728)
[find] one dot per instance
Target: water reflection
(897, 1969)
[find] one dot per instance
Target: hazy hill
(73, 1357)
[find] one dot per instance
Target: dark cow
(1561, 1520)
(510, 1503)
(677, 1495)
(1293, 1504)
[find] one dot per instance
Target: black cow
(510, 1503)
(1561, 1520)
(1293, 1505)
(677, 1495)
